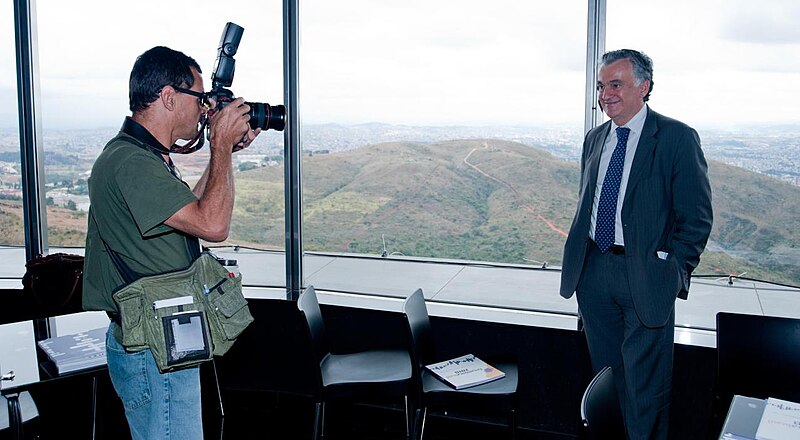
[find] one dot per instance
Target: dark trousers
(640, 357)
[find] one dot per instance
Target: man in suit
(642, 221)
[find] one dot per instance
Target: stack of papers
(77, 351)
(761, 419)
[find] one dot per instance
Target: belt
(617, 249)
(114, 317)
(614, 248)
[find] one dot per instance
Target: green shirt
(132, 192)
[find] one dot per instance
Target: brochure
(465, 371)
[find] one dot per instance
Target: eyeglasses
(202, 98)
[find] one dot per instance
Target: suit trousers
(640, 357)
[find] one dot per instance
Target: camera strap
(196, 143)
(148, 142)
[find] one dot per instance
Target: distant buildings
(62, 198)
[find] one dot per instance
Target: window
(725, 69)
(11, 217)
(441, 130)
(86, 53)
(440, 139)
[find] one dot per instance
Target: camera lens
(267, 117)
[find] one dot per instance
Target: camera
(262, 115)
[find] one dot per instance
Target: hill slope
(481, 200)
(492, 200)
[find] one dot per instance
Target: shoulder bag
(185, 317)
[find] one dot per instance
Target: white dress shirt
(635, 125)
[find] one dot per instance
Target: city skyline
(773, 151)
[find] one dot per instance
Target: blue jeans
(157, 406)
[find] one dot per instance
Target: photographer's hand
(229, 127)
(247, 139)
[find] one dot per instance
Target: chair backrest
(27, 408)
(757, 356)
(309, 307)
(22, 305)
(600, 409)
(421, 348)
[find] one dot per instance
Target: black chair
(757, 356)
(600, 410)
(28, 411)
(367, 376)
(497, 396)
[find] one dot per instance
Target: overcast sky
(431, 62)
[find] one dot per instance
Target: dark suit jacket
(667, 207)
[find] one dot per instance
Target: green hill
(756, 223)
(491, 200)
(476, 199)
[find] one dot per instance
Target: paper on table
(781, 420)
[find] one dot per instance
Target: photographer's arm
(248, 139)
(209, 217)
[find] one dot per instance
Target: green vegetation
(11, 232)
(490, 200)
(479, 200)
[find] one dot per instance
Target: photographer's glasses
(202, 98)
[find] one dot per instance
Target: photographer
(143, 214)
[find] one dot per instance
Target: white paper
(173, 302)
(781, 420)
(189, 336)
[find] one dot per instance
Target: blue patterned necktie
(607, 207)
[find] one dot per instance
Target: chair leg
(94, 407)
(512, 424)
(318, 408)
(322, 420)
(409, 421)
(422, 423)
(218, 389)
(415, 423)
(15, 416)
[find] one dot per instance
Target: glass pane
(726, 70)
(441, 130)
(11, 216)
(85, 62)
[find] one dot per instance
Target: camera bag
(185, 316)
